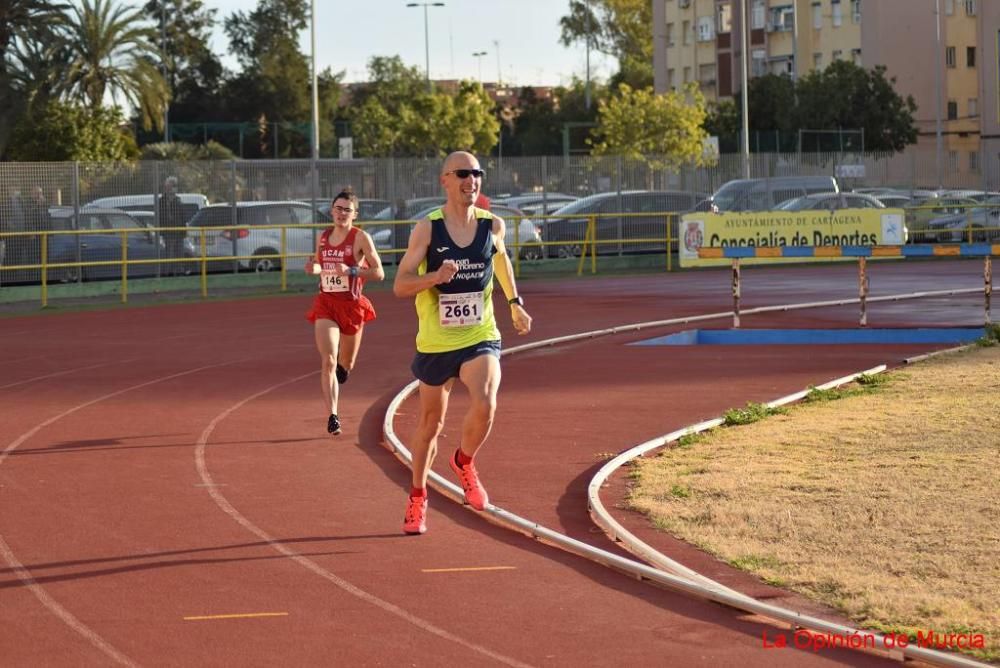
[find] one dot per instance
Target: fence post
(124, 267)
(988, 286)
(284, 258)
(45, 268)
(157, 222)
(736, 293)
(863, 289)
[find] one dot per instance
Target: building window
(706, 75)
(953, 161)
(670, 34)
(952, 110)
(856, 56)
(783, 18)
(759, 63)
(686, 33)
(817, 16)
(725, 22)
(856, 11)
(838, 16)
(687, 74)
(970, 56)
(817, 61)
(671, 83)
(949, 7)
(781, 66)
(973, 161)
(705, 29)
(973, 107)
(837, 54)
(949, 56)
(758, 17)
(970, 7)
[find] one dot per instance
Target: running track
(168, 495)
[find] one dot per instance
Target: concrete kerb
(691, 583)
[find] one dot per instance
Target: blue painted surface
(744, 337)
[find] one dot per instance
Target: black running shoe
(342, 374)
(333, 424)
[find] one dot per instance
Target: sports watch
(516, 300)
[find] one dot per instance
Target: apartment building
(700, 40)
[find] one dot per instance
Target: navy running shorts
(437, 368)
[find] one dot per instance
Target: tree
(29, 41)
(395, 115)
(274, 83)
(194, 74)
(665, 130)
(845, 95)
(619, 28)
(113, 52)
(771, 103)
(64, 131)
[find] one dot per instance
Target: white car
(527, 232)
(190, 203)
(256, 237)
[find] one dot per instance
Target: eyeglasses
(466, 173)
(343, 209)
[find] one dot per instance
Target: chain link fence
(56, 205)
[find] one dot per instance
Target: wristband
(352, 271)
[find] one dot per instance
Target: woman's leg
(327, 340)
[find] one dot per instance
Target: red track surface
(160, 464)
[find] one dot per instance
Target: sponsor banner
(775, 229)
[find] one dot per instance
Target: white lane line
(24, 575)
(354, 590)
(241, 615)
(63, 373)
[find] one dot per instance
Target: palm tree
(29, 42)
(114, 52)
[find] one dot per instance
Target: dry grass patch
(884, 504)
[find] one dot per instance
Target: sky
(520, 38)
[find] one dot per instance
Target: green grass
(749, 414)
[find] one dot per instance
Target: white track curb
(691, 582)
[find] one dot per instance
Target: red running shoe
(475, 494)
(415, 519)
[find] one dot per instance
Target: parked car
(537, 203)
(895, 201)
(368, 208)
(102, 243)
(765, 194)
(918, 217)
(527, 233)
(259, 234)
(190, 203)
(831, 202)
(564, 233)
(984, 222)
(407, 210)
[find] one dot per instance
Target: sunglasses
(466, 173)
(342, 209)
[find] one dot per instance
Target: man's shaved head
(459, 159)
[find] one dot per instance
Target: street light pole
(163, 62)
(744, 76)
(315, 86)
(427, 39)
(496, 45)
(938, 84)
(478, 55)
(586, 90)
